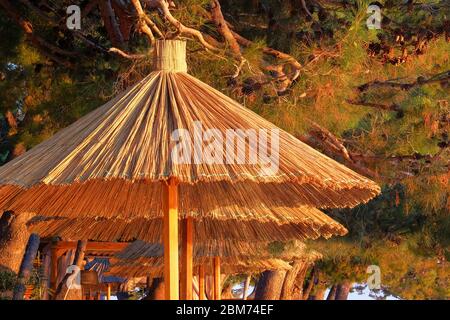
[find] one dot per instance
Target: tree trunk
(295, 275)
(26, 267)
(226, 292)
(312, 281)
(332, 293)
(343, 289)
(319, 294)
(13, 240)
(270, 285)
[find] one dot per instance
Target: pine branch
(391, 107)
(225, 31)
(163, 5)
(420, 81)
(125, 55)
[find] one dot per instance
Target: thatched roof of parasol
(141, 258)
(110, 163)
(149, 230)
(155, 268)
(140, 251)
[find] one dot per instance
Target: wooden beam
(55, 255)
(170, 239)
(79, 253)
(201, 283)
(92, 246)
(187, 259)
(216, 267)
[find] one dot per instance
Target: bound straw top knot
(170, 56)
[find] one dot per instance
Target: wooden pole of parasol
(216, 268)
(55, 255)
(187, 260)
(170, 239)
(201, 282)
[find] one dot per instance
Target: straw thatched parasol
(120, 148)
(119, 162)
(139, 251)
(310, 224)
(230, 266)
(143, 259)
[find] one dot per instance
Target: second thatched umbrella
(173, 147)
(213, 258)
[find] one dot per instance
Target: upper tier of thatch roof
(123, 149)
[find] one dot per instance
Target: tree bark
(226, 292)
(270, 285)
(332, 293)
(110, 23)
(312, 281)
(26, 267)
(319, 294)
(342, 290)
(295, 275)
(13, 240)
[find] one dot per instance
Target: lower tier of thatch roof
(146, 259)
(155, 269)
(150, 230)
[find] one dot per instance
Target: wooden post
(217, 289)
(46, 264)
(79, 253)
(26, 266)
(187, 260)
(246, 285)
(201, 283)
(56, 254)
(108, 292)
(170, 239)
(78, 261)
